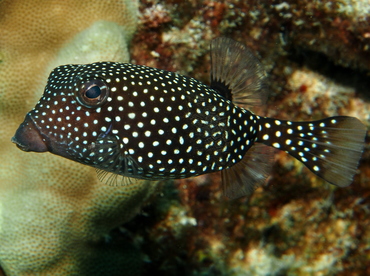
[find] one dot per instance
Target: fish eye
(92, 93)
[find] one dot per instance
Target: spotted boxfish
(139, 122)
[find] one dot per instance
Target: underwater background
(57, 219)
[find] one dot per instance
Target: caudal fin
(331, 148)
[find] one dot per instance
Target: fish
(135, 122)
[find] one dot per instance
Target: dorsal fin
(236, 73)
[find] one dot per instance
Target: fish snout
(28, 137)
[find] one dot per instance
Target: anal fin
(248, 174)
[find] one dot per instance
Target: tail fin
(331, 148)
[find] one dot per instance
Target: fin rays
(331, 148)
(242, 74)
(113, 179)
(116, 167)
(250, 173)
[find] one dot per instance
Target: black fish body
(147, 123)
(154, 124)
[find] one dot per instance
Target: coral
(313, 96)
(338, 29)
(316, 54)
(55, 217)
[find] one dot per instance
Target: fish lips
(28, 137)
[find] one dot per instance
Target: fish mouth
(28, 137)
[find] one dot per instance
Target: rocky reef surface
(317, 56)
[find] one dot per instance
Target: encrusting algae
(54, 214)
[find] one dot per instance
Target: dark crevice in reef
(319, 62)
